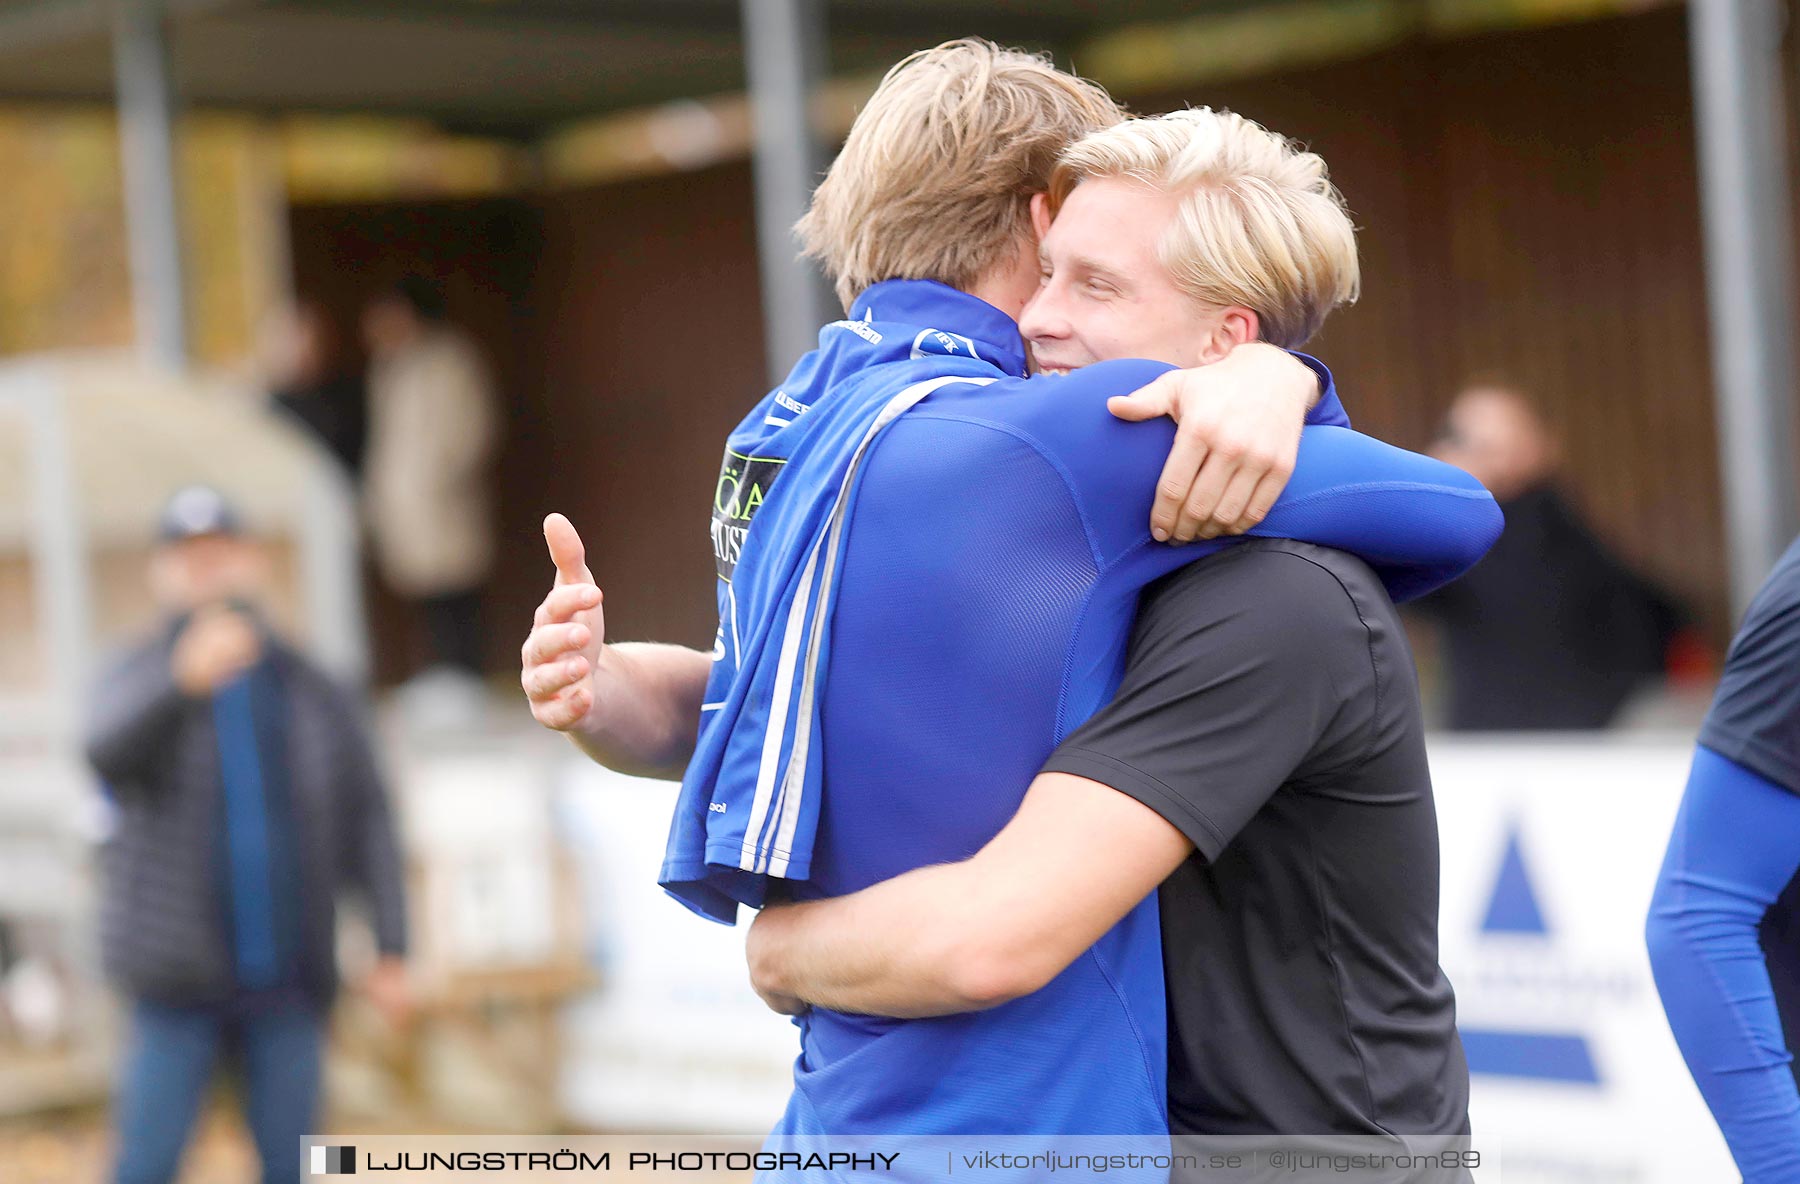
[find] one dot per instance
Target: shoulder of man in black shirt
(1243, 669)
(1755, 715)
(1270, 711)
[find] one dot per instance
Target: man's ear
(1040, 215)
(1240, 325)
(1236, 326)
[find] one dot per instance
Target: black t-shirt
(1755, 716)
(1270, 711)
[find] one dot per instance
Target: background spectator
(433, 425)
(310, 379)
(247, 798)
(1551, 630)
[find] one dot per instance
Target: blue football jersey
(965, 570)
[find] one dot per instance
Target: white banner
(676, 1040)
(1550, 849)
(1550, 852)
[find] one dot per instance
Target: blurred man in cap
(246, 799)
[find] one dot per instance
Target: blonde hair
(1259, 224)
(936, 178)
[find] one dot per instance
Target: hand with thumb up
(568, 635)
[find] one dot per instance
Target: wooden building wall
(624, 327)
(1527, 203)
(649, 335)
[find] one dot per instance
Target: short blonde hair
(936, 178)
(1260, 225)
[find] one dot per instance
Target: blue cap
(194, 511)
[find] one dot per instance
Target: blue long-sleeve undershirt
(1735, 847)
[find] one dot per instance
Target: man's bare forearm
(896, 949)
(646, 711)
(964, 936)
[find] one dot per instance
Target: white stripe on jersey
(749, 855)
(737, 645)
(793, 779)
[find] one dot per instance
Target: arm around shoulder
(1419, 521)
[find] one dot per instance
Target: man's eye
(1100, 288)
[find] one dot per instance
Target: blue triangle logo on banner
(1535, 1056)
(1513, 908)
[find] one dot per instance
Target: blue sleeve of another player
(1329, 412)
(1419, 521)
(1735, 847)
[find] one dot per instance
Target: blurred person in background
(1723, 930)
(1551, 630)
(433, 427)
(309, 378)
(246, 800)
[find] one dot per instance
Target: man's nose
(1042, 318)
